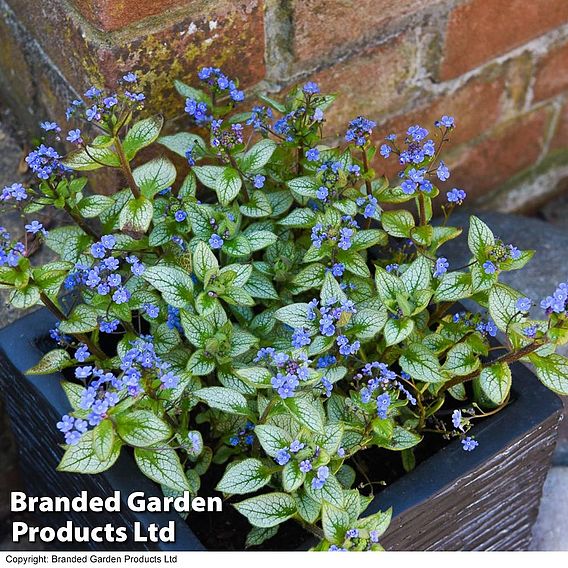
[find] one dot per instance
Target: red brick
(552, 76)
(376, 81)
(224, 33)
(322, 26)
(560, 138)
(480, 30)
(109, 15)
(512, 148)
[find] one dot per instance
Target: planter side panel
(33, 421)
(493, 507)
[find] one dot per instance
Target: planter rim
(436, 472)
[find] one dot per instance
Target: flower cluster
(291, 370)
(558, 302)
(244, 437)
(342, 237)
(10, 251)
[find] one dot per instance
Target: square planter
(482, 500)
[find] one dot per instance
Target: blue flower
(151, 310)
(456, 196)
(50, 126)
(489, 267)
(469, 444)
(15, 191)
(457, 418)
(312, 155)
(66, 424)
(35, 227)
(524, 304)
(311, 88)
(300, 338)
(338, 269)
(383, 403)
(447, 121)
(216, 242)
(442, 172)
(359, 131)
(530, 331)
(82, 353)
(282, 456)
(441, 267)
(385, 150)
(296, 446)
(352, 533)
(321, 476)
(108, 326)
(305, 466)
(180, 216)
(322, 192)
(417, 133)
(130, 77)
(259, 181)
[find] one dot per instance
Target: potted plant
(254, 324)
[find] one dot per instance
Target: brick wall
(499, 66)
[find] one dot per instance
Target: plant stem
(506, 358)
(125, 166)
(54, 309)
(368, 185)
(422, 208)
(243, 186)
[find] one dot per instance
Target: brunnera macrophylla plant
(258, 311)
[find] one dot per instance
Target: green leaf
(25, 298)
(136, 215)
(93, 205)
(308, 508)
(204, 261)
(368, 238)
(258, 156)
(191, 92)
(228, 185)
(304, 186)
(292, 477)
(142, 428)
(331, 492)
(82, 319)
(453, 286)
(368, 322)
(208, 175)
(224, 399)
(256, 376)
(331, 439)
(237, 246)
(51, 362)
(388, 285)
(260, 286)
(82, 458)
(461, 360)
(91, 158)
(267, 510)
(181, 142)
(103, 439)
(142, 134)
(307, 411)
(310, 277)
(245, 476)
(272, 438)
(162, 466)
(552, 372)
(260, 239)
(354, 263)
(197, 329)
(257, 536)
(258, 206)
(397, 223)
(397, 330)
(418, 275)
(199, 364)
(241, 341)
(402, 439)
(493, 385)
(335, 523)
(479, 238)
(503, 306)
(294, 315)
(421, 364)
(173, 282)
(331, 290)
(300, 218)
(155, 175)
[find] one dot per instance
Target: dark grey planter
(482, 500)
